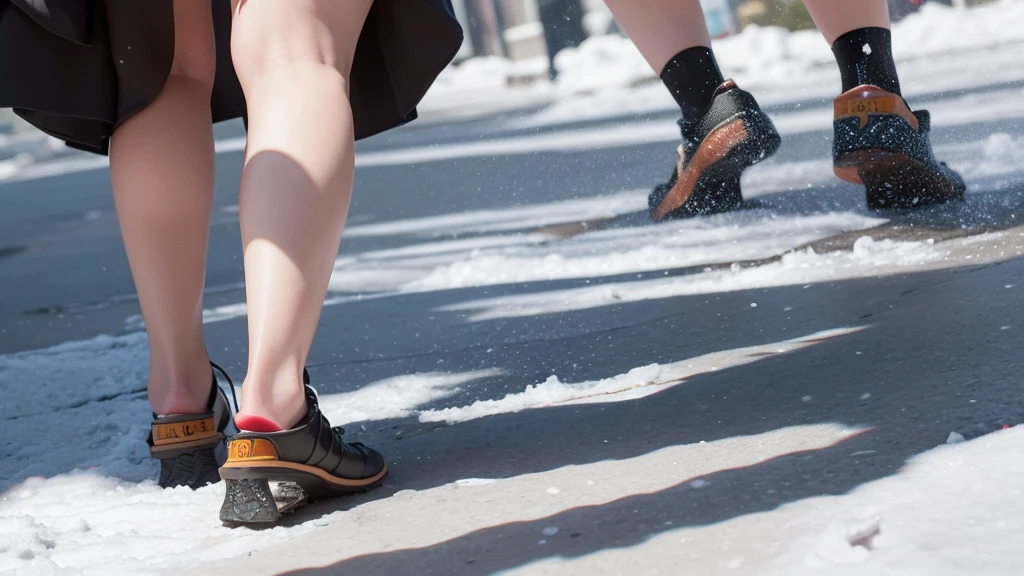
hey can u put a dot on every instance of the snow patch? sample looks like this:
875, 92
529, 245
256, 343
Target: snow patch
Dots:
637, 383
601, 62
726, 238
397, 397
805, 266
849, 539
475, 482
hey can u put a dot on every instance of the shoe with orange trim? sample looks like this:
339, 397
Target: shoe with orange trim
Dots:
190, 447
732, 135
882, 144
312, 456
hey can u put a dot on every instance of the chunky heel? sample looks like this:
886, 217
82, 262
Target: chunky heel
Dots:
308, 462
248, 502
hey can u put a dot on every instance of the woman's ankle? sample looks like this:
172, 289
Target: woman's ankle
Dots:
181, 390
270, 405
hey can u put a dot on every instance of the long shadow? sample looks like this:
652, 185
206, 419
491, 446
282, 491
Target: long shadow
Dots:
622, 523
932, 343
927, 363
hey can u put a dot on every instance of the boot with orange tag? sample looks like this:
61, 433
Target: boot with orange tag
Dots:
732, 135
882, 144
307, 462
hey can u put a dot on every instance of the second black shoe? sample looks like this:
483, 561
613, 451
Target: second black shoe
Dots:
732, 135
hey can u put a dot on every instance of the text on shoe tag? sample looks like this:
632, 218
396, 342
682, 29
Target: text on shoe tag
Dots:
251, 449
863, 107
183, 431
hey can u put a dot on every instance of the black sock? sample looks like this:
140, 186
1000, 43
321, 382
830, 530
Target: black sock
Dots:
865, 57
692, 76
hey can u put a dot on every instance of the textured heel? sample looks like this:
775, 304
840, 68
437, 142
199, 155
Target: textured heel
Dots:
248, 502
195, 468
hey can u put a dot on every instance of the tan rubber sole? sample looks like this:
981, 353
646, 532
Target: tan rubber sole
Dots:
247, 471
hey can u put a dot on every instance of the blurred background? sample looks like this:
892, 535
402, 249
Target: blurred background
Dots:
524, 29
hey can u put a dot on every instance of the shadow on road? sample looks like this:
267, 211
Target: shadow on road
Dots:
939, 351
934, 356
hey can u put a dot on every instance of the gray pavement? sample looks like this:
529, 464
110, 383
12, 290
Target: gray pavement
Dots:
933, 352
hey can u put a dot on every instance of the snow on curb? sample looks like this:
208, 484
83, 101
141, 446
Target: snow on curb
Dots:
953, 511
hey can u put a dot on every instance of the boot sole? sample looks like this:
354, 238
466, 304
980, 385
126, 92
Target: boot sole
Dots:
195, 466
896, 181
711, 181
248, 499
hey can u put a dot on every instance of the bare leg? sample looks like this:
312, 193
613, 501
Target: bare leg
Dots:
293, 58
837, 17
662, 28
161, 166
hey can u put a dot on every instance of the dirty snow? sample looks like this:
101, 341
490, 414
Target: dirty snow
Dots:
607, 235
636, 383
868, 258
937, 516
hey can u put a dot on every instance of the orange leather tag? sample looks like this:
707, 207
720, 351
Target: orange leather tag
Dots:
249, 450
164, 434
862, 107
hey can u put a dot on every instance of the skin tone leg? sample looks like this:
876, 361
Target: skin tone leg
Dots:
837, 17
293, 58
662, 28
161, 167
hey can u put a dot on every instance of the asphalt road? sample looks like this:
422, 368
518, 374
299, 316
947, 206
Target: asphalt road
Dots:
932, 351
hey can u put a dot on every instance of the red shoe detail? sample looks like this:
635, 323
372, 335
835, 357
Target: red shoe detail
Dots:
248, 423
